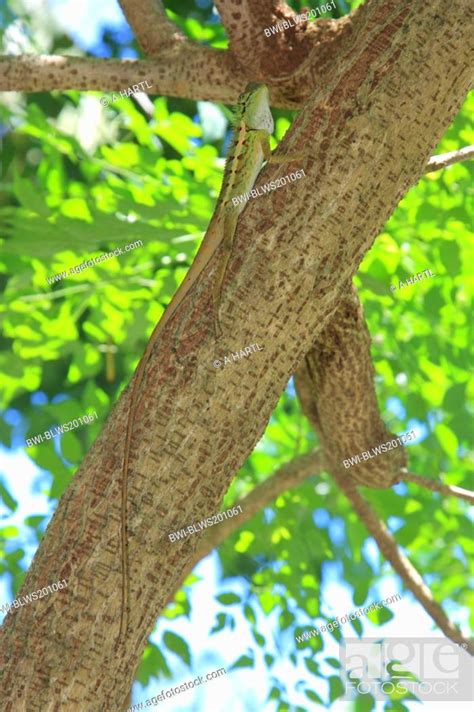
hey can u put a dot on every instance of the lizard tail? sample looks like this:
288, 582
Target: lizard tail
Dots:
125, 603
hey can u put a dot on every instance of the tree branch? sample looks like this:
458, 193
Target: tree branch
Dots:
335, 384
152, 27
405, 569
436, 486
269, 56
182, 68
447, 159
336, 389
186, 70
290, 475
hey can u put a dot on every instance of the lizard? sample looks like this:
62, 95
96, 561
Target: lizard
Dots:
248, 150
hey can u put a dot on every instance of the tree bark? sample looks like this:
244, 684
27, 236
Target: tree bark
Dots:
149, 21
337, 394
370, 131
345, 412
187, 69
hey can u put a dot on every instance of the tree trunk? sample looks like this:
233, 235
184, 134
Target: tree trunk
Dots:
368, 134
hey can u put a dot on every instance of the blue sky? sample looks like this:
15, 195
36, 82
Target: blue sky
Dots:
242, 689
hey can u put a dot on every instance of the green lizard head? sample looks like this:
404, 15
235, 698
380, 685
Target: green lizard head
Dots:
254, 107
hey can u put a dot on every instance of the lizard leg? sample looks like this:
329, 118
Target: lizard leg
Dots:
230, 224
270, 157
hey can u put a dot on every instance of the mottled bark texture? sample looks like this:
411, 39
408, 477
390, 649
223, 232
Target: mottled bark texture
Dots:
336, 388
369, 131
280, 54
337, 394
152, 28
187, 69
291, 474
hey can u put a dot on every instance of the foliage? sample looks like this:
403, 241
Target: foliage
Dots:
78, 180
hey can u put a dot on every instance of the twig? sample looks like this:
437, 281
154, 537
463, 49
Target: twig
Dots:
289, 475
447, 159
405, 569
437, 486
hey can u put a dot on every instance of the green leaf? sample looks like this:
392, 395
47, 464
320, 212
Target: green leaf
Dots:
7, 499
152, 664
312, 666
259, 639
220, 623
249, 614
364, 703
77, 209
336, 688
228, 599
35, 521
314, 697
449, 255
243, 661
177, 645
447, 440
380, 616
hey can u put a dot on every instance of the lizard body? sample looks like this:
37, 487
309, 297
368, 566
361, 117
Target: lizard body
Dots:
249, 148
